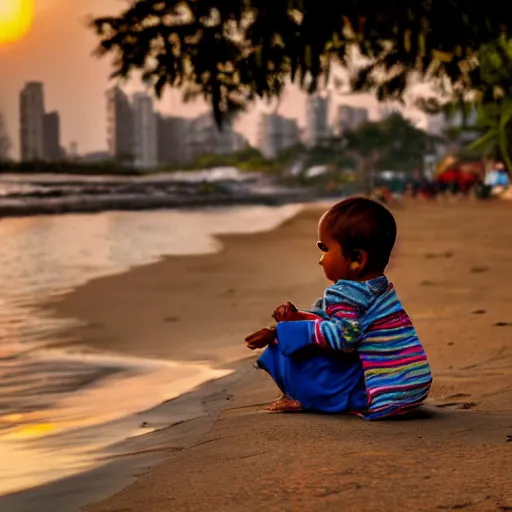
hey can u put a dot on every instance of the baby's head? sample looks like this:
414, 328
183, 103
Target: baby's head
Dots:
356, 237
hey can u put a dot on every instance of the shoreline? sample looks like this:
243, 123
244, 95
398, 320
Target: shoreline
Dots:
13, 208
220, 275
424, 270
167, 428
73, 338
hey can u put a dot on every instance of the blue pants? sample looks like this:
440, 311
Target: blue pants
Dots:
320, 382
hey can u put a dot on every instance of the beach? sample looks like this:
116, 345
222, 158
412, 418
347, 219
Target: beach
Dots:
451, 268
63, 402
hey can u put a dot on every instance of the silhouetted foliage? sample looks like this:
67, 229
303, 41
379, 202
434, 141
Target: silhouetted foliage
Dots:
495, 107
392, 144
492, 100
232, 51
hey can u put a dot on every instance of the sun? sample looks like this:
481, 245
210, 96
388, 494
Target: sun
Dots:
15, 19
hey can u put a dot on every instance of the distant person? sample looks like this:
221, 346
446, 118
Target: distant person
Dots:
449, 181
498, 177
428, 190
358, 351
442, 186
468, 177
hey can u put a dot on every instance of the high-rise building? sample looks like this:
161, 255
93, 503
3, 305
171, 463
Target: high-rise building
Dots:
349, 118
269, 135
317, 120
31, 122
120, 126
291, 136
276, 133
144, 132
173, 135
240, 142
72, 152
207, 139
5, 142
51, 137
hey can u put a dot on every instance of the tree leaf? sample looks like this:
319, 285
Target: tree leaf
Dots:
265, 43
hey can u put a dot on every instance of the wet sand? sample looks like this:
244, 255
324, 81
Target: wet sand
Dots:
452, 269
195, 308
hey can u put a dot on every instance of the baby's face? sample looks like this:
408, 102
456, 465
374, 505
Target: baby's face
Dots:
333, 261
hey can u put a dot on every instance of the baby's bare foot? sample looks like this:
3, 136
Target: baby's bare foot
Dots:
283, 404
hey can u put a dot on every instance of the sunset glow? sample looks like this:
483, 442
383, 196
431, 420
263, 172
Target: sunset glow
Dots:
15, 19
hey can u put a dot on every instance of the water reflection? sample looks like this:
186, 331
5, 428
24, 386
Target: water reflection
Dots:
58, 406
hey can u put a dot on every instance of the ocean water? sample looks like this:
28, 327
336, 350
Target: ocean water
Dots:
55, 414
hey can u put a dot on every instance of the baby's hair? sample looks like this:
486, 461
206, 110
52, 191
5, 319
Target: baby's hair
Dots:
360, 223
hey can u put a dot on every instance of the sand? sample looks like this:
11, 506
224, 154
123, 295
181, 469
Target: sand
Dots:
452, 268
200, 307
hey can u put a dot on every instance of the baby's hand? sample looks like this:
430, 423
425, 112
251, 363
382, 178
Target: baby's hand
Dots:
261, 338
282, 311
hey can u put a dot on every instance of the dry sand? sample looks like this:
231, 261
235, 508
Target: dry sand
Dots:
453, 271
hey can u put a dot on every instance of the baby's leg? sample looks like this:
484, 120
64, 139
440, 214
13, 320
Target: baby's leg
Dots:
313, 381
271, 361
276, 365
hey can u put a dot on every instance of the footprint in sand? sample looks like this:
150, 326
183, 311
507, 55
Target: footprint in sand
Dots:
93, 325
432, 255
458, 405
503, 324
479, 312
479, 270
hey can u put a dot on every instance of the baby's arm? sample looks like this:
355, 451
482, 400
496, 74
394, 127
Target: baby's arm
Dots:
288, 312
300, 315
339, 332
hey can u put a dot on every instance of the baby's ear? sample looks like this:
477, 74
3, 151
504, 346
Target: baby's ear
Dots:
360, 258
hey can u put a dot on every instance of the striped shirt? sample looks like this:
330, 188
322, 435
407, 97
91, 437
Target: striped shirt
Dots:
368, 318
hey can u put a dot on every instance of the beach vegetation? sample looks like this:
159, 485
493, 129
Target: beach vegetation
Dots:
233, 52
491, 101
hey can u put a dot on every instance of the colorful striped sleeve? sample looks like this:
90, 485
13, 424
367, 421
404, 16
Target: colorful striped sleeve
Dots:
341, 332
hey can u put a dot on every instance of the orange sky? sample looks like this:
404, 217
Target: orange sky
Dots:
58, 51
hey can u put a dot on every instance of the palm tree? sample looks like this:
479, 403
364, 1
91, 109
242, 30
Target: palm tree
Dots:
496, 121
495, 100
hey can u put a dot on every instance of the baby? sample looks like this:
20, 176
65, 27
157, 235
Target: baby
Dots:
358, 352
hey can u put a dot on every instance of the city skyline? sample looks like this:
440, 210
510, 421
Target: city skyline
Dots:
323, 118
58, 52
139, 135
